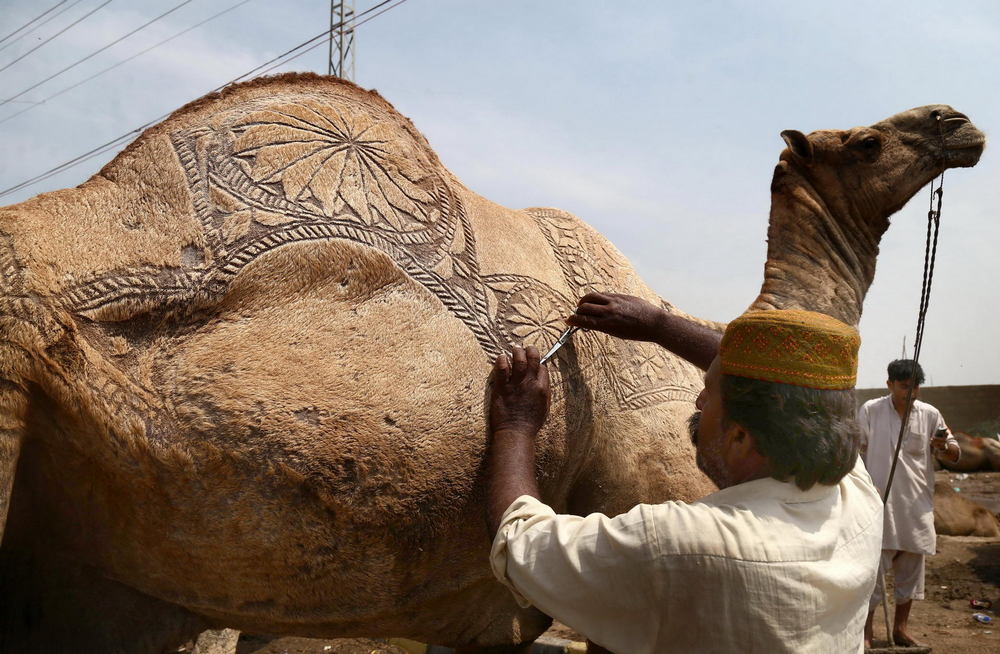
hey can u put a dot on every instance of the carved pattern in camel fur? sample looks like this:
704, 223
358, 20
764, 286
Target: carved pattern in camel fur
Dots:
331, 168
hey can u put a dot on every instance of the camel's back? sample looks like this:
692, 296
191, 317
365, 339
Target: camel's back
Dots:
282, 310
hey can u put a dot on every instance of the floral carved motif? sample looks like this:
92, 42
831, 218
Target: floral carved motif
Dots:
642, 372
335, 163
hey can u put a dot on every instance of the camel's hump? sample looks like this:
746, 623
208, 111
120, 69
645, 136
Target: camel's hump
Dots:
274, 90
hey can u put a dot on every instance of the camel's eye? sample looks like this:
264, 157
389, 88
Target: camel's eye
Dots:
867, 148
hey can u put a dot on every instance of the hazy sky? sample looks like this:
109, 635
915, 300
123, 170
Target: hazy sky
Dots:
656, 122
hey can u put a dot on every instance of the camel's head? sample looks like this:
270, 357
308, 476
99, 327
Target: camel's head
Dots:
878, 168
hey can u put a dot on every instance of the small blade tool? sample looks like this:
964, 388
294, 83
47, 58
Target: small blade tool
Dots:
563, 339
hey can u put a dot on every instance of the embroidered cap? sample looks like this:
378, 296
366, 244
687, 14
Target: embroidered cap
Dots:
790, 346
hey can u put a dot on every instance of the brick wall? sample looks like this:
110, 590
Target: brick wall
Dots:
963, 407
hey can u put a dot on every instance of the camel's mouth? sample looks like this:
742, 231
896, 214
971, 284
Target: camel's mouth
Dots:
964, 145
966, 136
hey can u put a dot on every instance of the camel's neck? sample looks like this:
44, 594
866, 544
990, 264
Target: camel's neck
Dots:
820, 253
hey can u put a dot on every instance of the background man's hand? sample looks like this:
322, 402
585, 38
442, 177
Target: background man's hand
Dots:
943, 449
939, 442
622, 316
519, 392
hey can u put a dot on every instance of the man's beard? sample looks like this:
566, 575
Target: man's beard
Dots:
709, 463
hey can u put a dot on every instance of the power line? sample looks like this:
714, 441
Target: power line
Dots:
120, 63
110, 145
38, 17
43, 23
72, 162
78, 20
97, 52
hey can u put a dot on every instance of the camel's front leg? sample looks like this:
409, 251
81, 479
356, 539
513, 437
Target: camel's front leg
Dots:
12, 405
10, 447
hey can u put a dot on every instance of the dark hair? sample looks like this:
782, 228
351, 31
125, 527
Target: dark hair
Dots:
807, 434
905, 370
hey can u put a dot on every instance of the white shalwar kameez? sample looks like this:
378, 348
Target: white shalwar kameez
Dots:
762, 566
909, 513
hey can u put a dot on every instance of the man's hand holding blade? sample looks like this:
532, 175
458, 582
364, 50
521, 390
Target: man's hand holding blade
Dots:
518, 406
622, 316
635, 319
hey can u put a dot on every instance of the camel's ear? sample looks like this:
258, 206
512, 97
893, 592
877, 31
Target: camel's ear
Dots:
799, 144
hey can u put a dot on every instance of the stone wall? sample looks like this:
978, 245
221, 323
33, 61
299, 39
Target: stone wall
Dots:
963, 407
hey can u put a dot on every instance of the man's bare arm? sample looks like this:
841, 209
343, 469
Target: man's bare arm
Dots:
519, 402
632, 318
510, 473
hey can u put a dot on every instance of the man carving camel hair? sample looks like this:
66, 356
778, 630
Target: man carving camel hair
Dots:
241, 369
781, 559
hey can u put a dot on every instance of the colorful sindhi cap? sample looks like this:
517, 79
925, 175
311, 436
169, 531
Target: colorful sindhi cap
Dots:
802, 348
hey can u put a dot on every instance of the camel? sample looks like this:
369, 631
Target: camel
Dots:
955, 515
242, 368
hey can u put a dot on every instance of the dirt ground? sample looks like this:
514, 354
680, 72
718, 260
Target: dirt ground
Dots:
964, 568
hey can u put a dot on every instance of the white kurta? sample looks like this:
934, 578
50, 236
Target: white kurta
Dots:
758, 567
909, 513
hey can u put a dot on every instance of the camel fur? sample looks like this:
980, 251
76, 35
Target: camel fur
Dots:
955, 515
242, 369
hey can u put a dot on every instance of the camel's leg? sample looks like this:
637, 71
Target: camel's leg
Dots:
54, 606
52, 603
10, 447
12, 408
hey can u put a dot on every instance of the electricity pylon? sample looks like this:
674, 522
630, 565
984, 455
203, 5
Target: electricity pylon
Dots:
341, 55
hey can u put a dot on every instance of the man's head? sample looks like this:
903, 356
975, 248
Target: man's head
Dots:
779, 401
905, 377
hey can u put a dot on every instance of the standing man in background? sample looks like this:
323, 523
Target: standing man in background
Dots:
908, 534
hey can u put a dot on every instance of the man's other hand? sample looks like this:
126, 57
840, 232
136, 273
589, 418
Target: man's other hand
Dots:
622, 316
519, 392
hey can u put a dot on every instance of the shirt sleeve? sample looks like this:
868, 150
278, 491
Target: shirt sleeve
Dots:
863, 425
590, 572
